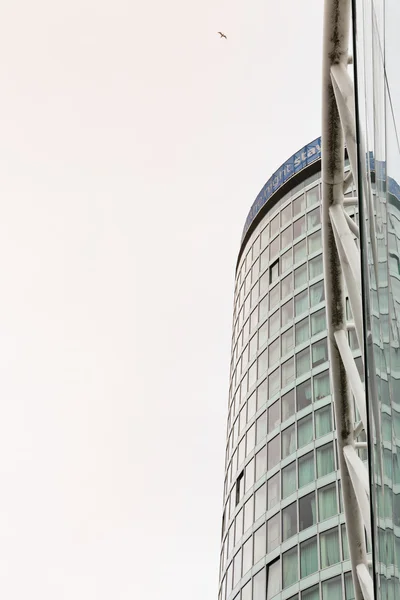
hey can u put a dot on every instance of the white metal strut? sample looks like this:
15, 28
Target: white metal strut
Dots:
342, 271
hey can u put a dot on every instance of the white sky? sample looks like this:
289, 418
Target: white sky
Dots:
132, 143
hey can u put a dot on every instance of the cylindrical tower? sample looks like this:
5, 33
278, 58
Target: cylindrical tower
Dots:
283, 529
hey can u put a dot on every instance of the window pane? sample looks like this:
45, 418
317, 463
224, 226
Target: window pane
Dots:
286, 261
263, 335
274, 297
286, 237
247, 555
259, 544
274, 352
307, 511
273, 535
302, 362
289, 521
301, 303
304, 431
314, 242
345, 543
306, 469
325, 460
260, 502
273, 491
321, 386
261, 463
299, 205
237, 568
329, 547
349, 588
287, 372
248, 514
286, 286
273, 452
319, 352
239, 526
249, 475
302, 331
259, 586
273, 416
300, 276
289, 568
313, 218
315, 266
274, 382
287, 312
303, 394
308, 557
288, 405
261, 427
274, 579
288, 441
327, 503
299, 227
274, 226
317, 293
288, 480
311, 594
287, 341
274, 323
318, 322
300, 251
250, 438
286, 214
313, 196
274, 248
323, 421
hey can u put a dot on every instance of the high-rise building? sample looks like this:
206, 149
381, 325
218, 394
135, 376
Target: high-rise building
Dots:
283, 526
312, 478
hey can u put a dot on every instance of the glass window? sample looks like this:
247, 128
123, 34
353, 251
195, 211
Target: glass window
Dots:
287, 312
262, 365
329, 548
289, 567
253, 346
317, 293
274, 578
332, 589
274, 323
249, 475
287, 341
315, 266
273, 416
327, 503
265, 236
251, 407
349, 588
241, 450
323, 421
302, 362
263, 335
274, 352
264, 282
250, 439
319, 352
301, 303
321, 386
303, 394
237, 568
260, 502
261, 427
247, 555
287, 372
306, 469
308, 557
345, 543
299, 205
310, 594
286, 237
273, 536
314, 242
259, 543
274, 248
318, 322
273, 491
262, 394
273, 452
325, 460
286, 261
288, 405
304, 431
313, 196
286, 215
307, 511
274, 225
248, 514
252, 375
261, 463
288, 441
313, 218
302, 331
300, 276
259, 585
273, 382
288, 480
286, 286
263, 308
289, 521
300, 251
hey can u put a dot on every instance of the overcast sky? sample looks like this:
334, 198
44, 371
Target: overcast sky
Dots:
133, 141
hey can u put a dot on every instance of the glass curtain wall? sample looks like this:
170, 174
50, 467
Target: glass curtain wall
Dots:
283, 535
377, 51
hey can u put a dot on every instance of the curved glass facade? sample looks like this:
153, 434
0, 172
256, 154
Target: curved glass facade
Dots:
283, 530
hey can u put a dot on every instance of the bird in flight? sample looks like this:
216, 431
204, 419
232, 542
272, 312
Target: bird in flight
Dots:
222, 35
